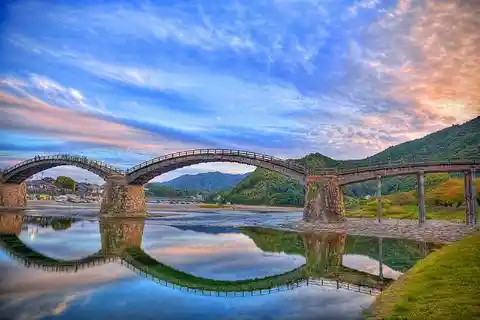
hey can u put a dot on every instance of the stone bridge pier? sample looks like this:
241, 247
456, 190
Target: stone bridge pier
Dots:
11, 223
123, 200
119, 234
324, 253
323, 199
13, 195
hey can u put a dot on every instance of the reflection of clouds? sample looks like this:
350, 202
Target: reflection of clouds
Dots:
368, 265
322, 303
226, 256
239, 266
18, 282
140, 300
79, 241
45, 305
33, 293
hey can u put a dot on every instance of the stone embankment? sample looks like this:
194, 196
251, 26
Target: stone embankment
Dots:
430, 231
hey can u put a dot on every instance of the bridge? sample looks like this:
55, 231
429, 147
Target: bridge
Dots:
121, 244
124, 194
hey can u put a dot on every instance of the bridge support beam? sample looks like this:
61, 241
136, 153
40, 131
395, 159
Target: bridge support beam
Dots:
380, 258
470, 191
379, 198
123, 200
13, 196
474, 203
421, 197
324, 200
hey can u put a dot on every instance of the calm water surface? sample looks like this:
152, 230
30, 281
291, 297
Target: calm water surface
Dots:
200, 268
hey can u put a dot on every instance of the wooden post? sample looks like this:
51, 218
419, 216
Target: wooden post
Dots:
467, 189
421, 197
380, 258
473, 198
379, 198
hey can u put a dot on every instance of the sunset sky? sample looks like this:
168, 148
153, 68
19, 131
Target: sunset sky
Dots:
123, 82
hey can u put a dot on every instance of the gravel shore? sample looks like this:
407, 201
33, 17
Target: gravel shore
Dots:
430, 231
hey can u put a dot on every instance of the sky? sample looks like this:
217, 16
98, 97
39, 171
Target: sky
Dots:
126, 81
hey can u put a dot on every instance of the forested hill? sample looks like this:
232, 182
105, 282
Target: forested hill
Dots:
263, 186
455, 141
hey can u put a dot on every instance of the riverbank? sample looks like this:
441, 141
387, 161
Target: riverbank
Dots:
444, 285
431, 231
39, 204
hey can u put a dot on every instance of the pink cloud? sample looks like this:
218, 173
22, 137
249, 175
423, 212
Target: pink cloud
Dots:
34, 114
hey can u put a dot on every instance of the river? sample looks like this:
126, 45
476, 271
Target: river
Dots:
227, 265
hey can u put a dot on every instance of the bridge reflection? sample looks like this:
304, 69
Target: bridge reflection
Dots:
121, 243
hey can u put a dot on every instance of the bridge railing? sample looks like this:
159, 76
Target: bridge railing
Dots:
352, 166
255, 292
67, 157
226, 152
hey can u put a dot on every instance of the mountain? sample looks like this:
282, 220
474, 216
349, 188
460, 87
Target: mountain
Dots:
266, 187
210, 181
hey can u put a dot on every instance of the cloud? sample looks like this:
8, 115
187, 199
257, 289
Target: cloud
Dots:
432, 67
280, 77
33, 115
289, 33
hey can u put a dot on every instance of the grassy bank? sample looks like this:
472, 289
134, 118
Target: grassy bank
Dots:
445, 285
407, 212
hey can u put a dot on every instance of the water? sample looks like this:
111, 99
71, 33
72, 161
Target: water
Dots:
198, 268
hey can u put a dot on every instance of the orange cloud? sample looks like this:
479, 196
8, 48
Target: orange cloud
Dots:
432, 66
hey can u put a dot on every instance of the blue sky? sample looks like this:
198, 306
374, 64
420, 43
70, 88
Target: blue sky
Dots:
125, 81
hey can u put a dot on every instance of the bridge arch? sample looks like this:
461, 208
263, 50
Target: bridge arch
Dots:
148, 170
29, 257
21, 171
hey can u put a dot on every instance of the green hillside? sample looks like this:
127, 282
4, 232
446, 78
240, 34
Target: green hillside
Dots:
265, 187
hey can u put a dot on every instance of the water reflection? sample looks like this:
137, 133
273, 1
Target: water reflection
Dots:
327, 260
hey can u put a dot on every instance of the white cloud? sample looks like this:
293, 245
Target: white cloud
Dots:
51, 90
266, 30
264, 99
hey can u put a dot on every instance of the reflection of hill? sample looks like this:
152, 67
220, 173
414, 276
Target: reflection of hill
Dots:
399, 255
271, 240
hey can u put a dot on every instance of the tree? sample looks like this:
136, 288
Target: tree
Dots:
61, 224
65, 182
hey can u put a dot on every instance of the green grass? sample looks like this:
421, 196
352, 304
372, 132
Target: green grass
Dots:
445, 285
407, 212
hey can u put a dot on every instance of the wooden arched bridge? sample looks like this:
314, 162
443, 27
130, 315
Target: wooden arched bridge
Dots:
124, 194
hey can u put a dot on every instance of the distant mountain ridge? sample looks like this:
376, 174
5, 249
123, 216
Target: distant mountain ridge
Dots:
209, 181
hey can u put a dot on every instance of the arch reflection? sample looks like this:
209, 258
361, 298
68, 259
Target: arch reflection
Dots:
121, 242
